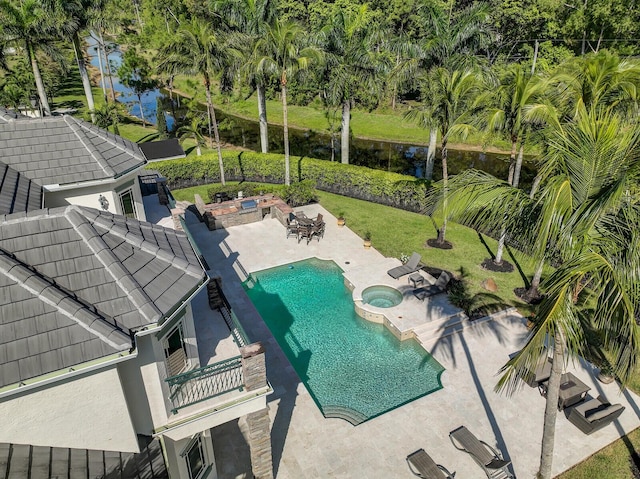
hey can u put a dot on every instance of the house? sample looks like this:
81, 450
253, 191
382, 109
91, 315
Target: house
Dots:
75, 162
103, 372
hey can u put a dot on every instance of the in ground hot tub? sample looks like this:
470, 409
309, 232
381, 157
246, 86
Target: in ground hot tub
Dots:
381, 296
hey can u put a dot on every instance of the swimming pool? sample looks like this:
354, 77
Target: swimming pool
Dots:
352, 368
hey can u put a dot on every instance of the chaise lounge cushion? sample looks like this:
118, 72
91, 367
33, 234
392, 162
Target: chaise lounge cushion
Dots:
594, 414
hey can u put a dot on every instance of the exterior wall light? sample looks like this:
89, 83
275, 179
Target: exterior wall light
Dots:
104, 203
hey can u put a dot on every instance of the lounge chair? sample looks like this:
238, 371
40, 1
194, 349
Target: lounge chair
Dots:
421, 465
541, 373
409, 267
594, 414
440, 286
491, 461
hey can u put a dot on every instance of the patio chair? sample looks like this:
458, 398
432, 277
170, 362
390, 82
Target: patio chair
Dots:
409, 267
594, 414
541, 373
490, 460
292, 228
440, 286
421, 465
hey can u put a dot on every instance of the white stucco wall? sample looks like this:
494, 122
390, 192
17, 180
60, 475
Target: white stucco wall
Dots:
85, 412
88, 196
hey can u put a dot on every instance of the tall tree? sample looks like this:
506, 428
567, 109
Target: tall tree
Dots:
250, 18
352, 62
586, 216
451, 40
197, 48
285, 56
135, 73
31, 27
450, 100
516, 106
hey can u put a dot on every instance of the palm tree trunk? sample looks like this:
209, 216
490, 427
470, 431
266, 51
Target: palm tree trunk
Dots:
518, 168
514, 177
42, 94
86, 84
144, 122
532, 292
344, 146
213, 123
445, 179
198, 149
287, 174
534, 186
500, 250
108, 67
102, 80
262, 115
512, 159
551, 408
431, 154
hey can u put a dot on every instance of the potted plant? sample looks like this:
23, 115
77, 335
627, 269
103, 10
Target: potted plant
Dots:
606, 374
367, 239
341, 218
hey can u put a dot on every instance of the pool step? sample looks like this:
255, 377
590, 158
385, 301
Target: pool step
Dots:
436, 330
341, 412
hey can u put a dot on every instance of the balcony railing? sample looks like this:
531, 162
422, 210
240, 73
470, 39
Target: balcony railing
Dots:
205, 383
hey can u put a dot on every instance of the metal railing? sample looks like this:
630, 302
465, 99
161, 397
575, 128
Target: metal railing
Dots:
205, 383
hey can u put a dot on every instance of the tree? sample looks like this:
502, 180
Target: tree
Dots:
250, 18
284, 56
452, 97
352, 63
106, 115
586, 218
192, 131
451, 41
135, 73
517, 105
161, 121
30, 26
196, 48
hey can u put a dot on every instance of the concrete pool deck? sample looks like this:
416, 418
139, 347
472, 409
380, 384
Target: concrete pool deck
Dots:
306, 445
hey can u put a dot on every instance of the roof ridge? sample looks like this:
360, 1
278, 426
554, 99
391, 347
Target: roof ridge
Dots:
50, 293
77, 129
148, 247
120, 274
116, 140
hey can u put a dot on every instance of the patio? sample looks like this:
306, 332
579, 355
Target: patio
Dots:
306, 445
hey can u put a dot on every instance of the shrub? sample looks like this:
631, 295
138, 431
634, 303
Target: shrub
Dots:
392, 189
301, 193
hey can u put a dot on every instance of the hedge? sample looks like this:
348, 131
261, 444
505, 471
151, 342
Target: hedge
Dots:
392, 189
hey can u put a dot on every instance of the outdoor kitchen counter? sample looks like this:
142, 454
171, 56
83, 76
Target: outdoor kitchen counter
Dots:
245, 210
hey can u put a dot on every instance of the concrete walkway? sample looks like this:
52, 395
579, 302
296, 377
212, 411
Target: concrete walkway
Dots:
306, 445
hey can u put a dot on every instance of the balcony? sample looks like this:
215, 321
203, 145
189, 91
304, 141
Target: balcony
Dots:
205, 383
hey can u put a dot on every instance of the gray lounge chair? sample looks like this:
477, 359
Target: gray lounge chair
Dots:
409, 267
594, 414
491, 461
440, 286
421, 465
541, 374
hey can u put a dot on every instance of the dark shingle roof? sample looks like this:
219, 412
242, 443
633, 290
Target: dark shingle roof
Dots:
17, 192
29, 462
74, 283
63, 150
162, 149
7, 115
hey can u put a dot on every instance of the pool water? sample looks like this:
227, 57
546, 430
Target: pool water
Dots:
381, 296
344, 361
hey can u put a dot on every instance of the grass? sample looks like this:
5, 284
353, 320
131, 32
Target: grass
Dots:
612, 462
379, 125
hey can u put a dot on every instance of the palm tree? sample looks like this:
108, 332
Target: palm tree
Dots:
452, 41
250, 18
196, 48
517, 105
29, 25
284, 56
586, 217
76, 19
453, 96
352, 63
106, 115
192, 131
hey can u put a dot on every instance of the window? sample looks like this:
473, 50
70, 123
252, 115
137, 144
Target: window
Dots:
127, 204
174, 352
195, 458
